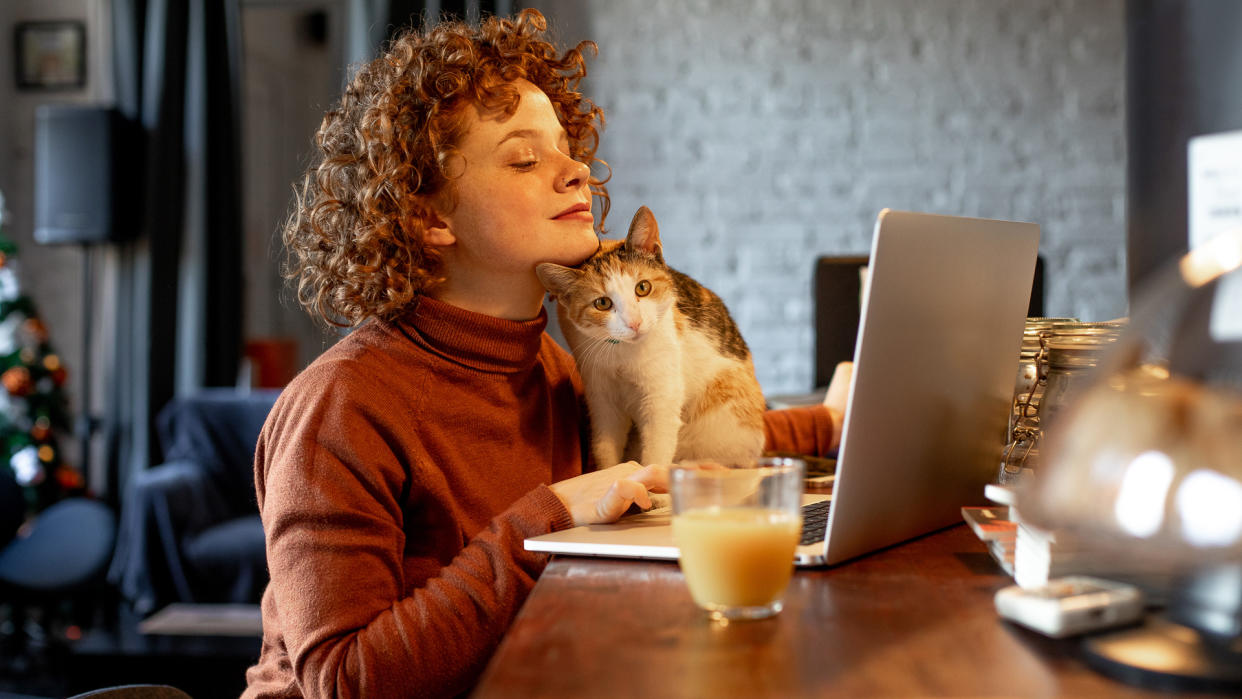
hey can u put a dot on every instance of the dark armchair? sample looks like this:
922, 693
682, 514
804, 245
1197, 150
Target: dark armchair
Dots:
190, 529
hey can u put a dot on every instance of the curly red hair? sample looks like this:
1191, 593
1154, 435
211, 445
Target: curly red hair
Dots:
355, 241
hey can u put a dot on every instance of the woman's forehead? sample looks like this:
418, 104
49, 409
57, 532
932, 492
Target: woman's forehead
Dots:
533, 116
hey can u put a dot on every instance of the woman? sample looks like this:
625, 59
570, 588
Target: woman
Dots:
398, 475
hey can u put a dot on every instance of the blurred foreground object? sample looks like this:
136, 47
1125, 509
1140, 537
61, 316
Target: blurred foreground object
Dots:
1145, 463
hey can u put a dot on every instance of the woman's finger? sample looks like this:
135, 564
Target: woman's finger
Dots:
654, 477
618, 498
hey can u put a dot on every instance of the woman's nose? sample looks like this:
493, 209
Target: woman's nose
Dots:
573, 175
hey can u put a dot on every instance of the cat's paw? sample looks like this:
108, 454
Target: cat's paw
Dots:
660, 501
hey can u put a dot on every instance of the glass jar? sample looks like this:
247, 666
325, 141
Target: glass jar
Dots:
1056, 353
1020, 457
1027, 386
1070, 355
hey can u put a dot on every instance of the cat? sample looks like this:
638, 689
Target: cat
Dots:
660, 357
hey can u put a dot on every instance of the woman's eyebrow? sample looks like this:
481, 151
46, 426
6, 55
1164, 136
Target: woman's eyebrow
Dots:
518, 133
532, 134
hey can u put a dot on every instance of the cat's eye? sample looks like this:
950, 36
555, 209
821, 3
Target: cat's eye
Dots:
603, 303
642, 288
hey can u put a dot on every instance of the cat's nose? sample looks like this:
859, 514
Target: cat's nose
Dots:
635, 325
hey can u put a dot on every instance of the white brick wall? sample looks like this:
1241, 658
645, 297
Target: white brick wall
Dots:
763, 134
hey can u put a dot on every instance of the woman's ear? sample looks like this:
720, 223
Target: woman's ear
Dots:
438, 233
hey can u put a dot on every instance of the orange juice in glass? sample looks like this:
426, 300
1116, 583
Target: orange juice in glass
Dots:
736, 527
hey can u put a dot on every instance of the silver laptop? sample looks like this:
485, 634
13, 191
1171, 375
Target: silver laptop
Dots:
943, 311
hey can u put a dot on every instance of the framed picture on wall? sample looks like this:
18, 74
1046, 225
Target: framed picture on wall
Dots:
50, 55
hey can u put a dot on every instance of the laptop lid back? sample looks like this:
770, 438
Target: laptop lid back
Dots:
938, 343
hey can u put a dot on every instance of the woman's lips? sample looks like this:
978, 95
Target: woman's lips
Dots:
577, 212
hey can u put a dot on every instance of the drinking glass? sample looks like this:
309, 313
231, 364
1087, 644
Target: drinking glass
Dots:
736, 526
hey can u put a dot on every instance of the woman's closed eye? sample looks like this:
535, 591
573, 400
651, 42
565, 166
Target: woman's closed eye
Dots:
524, 165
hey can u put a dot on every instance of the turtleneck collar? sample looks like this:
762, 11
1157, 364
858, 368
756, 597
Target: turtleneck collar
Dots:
473, 339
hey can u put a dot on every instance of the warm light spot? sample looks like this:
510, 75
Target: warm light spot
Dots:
46, 454
51, 362
1140, 501
1155, 371
1210, 506
1220, 255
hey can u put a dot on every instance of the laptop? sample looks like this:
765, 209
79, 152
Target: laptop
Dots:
942, 316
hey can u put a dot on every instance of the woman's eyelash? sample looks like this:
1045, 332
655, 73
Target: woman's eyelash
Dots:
524, 165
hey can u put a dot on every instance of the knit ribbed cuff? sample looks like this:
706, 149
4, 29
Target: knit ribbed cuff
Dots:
552, 508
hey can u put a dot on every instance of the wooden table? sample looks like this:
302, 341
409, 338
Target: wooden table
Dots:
915, 619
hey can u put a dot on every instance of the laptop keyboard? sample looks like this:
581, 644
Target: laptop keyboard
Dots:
814, 516
814, 522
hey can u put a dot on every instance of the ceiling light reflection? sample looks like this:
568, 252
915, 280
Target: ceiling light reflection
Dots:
1139, 508
1210, 506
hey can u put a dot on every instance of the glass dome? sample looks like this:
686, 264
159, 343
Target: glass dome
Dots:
1145, 463
1149, 454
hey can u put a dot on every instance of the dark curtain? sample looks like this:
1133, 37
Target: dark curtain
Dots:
403, 14
153, 59
407, 13
1183, 79
224, 235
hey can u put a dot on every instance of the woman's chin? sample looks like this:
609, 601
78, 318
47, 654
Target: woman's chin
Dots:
580, 252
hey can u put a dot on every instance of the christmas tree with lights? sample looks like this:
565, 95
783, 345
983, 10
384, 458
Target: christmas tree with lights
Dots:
33, 407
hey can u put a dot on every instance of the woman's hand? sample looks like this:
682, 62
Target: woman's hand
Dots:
605, 495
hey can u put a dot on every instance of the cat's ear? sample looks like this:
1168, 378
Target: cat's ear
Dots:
556, 278
644, 235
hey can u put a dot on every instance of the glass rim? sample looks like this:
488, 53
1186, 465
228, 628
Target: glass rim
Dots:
773, 465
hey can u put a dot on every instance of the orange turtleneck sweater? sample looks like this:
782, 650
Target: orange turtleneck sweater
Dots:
397, 477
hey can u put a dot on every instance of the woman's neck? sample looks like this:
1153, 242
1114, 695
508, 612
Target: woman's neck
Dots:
508, 299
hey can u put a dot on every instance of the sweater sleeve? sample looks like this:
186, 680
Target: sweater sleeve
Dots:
331, 489
803, 430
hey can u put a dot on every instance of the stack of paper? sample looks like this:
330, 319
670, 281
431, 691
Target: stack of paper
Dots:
1029, 554
1039, 555
994, 527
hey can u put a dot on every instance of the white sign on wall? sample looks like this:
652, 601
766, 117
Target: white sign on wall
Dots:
1215, 207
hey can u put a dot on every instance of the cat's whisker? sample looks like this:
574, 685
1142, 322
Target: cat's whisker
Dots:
596, 346
584, 353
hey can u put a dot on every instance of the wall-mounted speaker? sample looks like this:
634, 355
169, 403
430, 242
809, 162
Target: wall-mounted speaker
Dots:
87, 170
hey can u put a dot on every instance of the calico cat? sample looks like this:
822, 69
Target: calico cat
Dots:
657, 352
